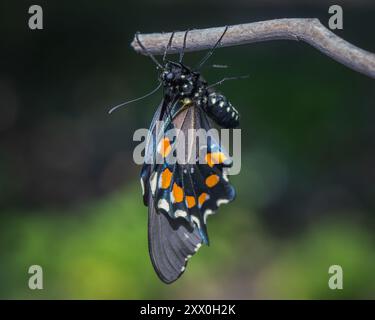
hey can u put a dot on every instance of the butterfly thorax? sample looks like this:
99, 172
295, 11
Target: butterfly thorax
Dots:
183, 84
191, 89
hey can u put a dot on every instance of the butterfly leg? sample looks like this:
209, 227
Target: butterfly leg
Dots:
147, 52
209, 54
182, 52
168, 47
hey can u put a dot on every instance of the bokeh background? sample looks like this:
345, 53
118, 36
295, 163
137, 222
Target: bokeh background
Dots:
70, 198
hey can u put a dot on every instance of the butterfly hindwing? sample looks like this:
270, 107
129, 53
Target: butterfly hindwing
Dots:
171, 243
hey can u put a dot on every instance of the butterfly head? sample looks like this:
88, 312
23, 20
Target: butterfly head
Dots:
178, 79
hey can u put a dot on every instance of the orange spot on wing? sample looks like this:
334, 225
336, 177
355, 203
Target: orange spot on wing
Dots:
190, 201
166, 178
215, 158
202, 198
212, 180
164, 147
178, 193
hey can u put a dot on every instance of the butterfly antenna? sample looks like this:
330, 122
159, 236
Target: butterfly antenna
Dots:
168, 46
209, 54
147, 52
134, 100
182, 52
226, 79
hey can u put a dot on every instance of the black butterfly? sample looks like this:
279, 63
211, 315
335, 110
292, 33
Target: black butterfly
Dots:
181, 195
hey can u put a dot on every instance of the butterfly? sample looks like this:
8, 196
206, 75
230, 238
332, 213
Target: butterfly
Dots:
180, 195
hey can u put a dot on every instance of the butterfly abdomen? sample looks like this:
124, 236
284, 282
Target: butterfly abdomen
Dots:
221, 110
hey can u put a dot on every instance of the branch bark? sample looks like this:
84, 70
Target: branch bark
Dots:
310, 31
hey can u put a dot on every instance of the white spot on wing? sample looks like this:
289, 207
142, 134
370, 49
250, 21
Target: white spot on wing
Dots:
172, 197
221, 201
180, 213
153, 181
197, 247
196, 221
225, 176
143, 187
163, 204
188, 257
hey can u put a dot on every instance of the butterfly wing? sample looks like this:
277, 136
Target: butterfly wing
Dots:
171, 243
180, 196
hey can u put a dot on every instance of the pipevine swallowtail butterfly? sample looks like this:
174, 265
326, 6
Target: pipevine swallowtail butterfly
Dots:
180, 196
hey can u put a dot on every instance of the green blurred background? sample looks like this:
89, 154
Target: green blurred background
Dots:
70, 200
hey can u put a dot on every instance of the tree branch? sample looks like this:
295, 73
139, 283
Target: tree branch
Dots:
308, 30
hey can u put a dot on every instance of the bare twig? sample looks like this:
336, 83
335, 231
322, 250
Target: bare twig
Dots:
308, 30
